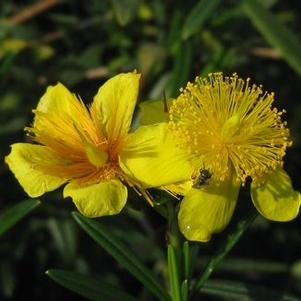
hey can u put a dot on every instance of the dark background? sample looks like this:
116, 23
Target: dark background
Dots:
81, 44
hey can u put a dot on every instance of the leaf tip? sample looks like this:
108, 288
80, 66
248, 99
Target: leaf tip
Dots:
75, 214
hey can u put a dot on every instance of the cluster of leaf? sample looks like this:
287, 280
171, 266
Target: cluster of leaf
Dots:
81, 43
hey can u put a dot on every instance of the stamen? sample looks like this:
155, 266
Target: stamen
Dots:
232, 125
76, 138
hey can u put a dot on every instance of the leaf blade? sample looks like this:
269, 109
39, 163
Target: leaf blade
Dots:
124, 10
198, 16
125, 257
243, 291
231, 241
11, 216
88, 286
173, 272
275, 33
181, 68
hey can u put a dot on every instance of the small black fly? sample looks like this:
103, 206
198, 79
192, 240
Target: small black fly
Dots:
202, 179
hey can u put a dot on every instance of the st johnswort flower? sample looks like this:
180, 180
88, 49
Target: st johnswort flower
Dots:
91, 150
231, 130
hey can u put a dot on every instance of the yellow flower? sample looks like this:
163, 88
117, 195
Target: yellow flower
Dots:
91, 150
233, 133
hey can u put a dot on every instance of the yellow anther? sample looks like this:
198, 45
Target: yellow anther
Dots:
225, 119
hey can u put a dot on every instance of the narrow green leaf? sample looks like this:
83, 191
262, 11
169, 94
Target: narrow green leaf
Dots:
173, 272
185, 290
7, 62
187, 270
64, 237
233, 290
7, 279
231, 241
11, 216
187, 261
125, 10
244, 265
122, 254
88, 286
198, 16
182, 67
174, 32
275, 33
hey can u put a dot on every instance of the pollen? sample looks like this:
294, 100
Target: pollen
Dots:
230, 126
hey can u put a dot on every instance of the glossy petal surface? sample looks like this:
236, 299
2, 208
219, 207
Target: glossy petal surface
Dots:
26, 161
104, 198
152, 158
114, 104
276, 199
207, 210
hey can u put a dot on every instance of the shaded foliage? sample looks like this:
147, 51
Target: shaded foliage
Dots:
81, 44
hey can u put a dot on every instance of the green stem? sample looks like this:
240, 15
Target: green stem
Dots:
174, 234
173, 270
186, 271
187, 259
174, 253
232, 239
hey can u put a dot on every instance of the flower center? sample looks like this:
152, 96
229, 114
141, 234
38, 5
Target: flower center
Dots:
79, 142
229, 126
96, 156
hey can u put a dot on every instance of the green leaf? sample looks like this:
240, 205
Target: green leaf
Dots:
64, 237
182, 67
244, 265
7, 62
187, 259
12, 215
231, 241
187, 270
122, 254
233, 290
154, 111
173, 272
185, 290
88, 286
198, 16
125, 10
7, 279
275, 33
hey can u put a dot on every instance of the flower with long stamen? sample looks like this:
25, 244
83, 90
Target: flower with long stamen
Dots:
232, 132
91, 150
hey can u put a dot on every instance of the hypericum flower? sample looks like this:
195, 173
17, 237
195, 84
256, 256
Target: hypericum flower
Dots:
90, 149
232, 133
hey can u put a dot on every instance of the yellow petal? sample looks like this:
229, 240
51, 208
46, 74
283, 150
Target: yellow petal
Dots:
115, 103
25, 162
181, 188
56, 98
154, 111
104, 198
152, 158
276, 199
207, 210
